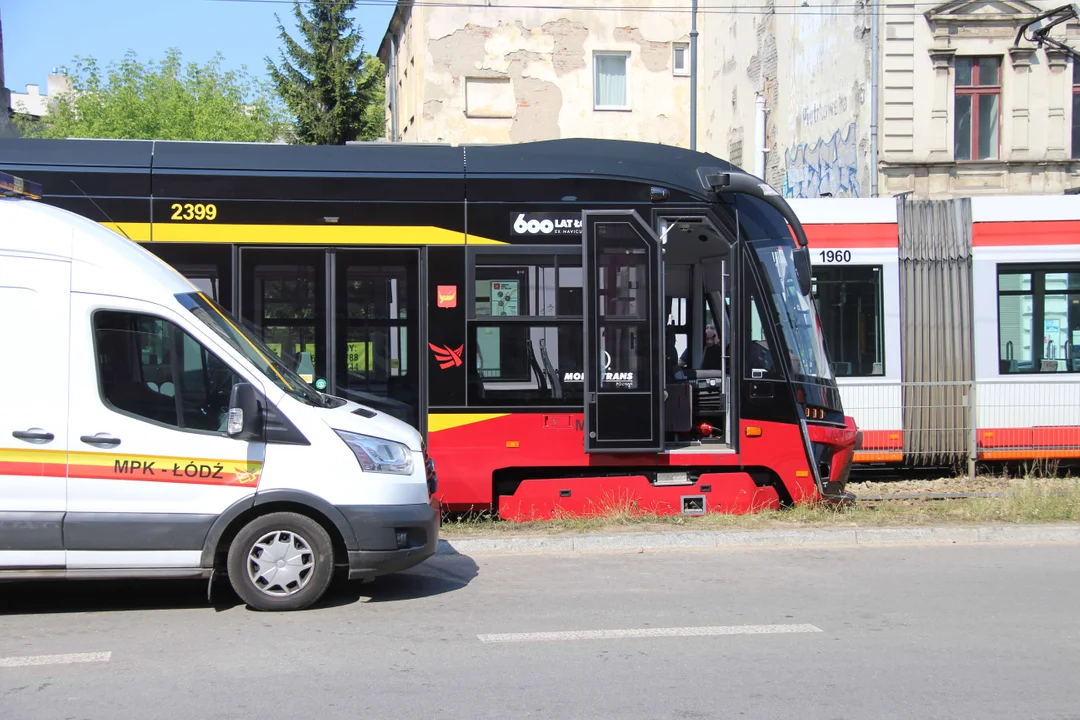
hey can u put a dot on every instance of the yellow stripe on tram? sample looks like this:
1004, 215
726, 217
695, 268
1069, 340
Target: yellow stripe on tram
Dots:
296, 234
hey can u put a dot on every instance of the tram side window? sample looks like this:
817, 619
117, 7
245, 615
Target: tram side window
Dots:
849, 301
526, 330
1039, 319
759, 356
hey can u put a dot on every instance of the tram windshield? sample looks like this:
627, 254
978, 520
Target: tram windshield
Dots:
765, 230
796, 313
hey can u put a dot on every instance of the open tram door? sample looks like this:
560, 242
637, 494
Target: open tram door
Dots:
624, 381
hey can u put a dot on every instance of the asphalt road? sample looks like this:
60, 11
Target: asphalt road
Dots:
940, 632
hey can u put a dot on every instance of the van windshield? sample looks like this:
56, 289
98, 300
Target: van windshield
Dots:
245, 342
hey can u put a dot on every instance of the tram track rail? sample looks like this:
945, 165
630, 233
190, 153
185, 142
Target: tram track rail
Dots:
944, 496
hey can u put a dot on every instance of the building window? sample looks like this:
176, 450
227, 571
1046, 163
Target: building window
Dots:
849, 302
680, 59
1076, 110
977, 108
1039, 319
612, 86
526, 334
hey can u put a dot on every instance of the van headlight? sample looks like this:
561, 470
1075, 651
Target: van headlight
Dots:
378, 455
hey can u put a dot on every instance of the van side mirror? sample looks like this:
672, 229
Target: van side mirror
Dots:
244, 420
802, 270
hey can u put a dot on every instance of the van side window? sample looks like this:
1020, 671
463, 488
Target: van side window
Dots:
150, 368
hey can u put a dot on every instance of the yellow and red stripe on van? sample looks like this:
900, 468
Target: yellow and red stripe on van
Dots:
123, 466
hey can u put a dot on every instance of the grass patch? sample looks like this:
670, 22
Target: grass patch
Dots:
1030, 499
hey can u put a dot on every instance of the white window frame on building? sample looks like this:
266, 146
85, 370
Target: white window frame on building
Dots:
685, 53
625, 56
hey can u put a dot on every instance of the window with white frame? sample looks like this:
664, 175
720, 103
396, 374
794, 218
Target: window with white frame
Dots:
612, 88
680, 59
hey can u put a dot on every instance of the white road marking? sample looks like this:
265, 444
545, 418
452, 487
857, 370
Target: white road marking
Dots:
650, 633
28, 660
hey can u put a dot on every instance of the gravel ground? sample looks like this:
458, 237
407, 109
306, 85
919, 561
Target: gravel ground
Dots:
980, 484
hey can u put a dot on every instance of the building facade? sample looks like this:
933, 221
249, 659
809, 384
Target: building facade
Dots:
967, 109
946, 102
512, 73
786, 95
35, 103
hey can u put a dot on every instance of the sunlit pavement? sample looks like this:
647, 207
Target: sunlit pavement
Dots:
934, 632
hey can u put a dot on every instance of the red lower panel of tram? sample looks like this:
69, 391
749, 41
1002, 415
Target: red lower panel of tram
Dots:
537, 465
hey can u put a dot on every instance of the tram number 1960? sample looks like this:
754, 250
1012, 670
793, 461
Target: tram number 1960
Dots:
835, 256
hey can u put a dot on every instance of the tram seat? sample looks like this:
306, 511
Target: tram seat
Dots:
712, 358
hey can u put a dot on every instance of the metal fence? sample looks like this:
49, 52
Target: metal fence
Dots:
957, 423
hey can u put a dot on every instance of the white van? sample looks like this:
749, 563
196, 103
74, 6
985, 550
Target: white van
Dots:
146, 433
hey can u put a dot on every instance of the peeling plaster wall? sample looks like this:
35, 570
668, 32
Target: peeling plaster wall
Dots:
824, 144
545, 59
409, 73
813, 70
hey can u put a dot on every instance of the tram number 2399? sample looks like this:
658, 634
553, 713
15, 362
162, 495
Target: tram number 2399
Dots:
193, 211
835, 256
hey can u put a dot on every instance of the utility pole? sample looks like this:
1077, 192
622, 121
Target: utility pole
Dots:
693, 74
874, 50
5, 96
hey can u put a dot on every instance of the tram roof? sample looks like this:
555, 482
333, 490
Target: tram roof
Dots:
664, 165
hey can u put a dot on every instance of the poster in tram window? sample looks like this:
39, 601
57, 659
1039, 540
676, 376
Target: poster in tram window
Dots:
504, 298
359, 357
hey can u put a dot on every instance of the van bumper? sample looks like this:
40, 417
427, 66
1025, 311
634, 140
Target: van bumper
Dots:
391, 538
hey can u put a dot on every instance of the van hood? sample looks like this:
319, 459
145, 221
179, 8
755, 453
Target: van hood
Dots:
353, 417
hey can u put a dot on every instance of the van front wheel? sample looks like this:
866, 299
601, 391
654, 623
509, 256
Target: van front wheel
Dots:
281, 561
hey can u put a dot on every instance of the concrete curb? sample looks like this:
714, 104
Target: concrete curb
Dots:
794, 539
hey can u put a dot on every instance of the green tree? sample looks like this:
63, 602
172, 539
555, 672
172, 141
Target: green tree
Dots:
332, 87
166, 100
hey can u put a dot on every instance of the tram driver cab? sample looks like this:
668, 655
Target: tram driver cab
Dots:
697, 332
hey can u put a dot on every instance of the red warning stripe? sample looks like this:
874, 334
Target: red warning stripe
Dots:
138, 468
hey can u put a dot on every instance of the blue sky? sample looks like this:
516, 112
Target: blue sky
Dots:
42, 34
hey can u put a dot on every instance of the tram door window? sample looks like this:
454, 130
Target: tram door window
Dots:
283, 299
376, 310
372, 320
623, 306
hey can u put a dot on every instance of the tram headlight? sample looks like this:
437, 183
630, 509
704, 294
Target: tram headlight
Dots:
379, 455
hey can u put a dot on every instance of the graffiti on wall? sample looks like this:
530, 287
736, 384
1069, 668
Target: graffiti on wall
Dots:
828, 166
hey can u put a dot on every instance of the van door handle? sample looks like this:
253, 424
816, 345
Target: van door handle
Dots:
33, 435
101, 439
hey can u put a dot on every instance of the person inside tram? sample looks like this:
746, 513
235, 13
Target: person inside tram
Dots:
711, 357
